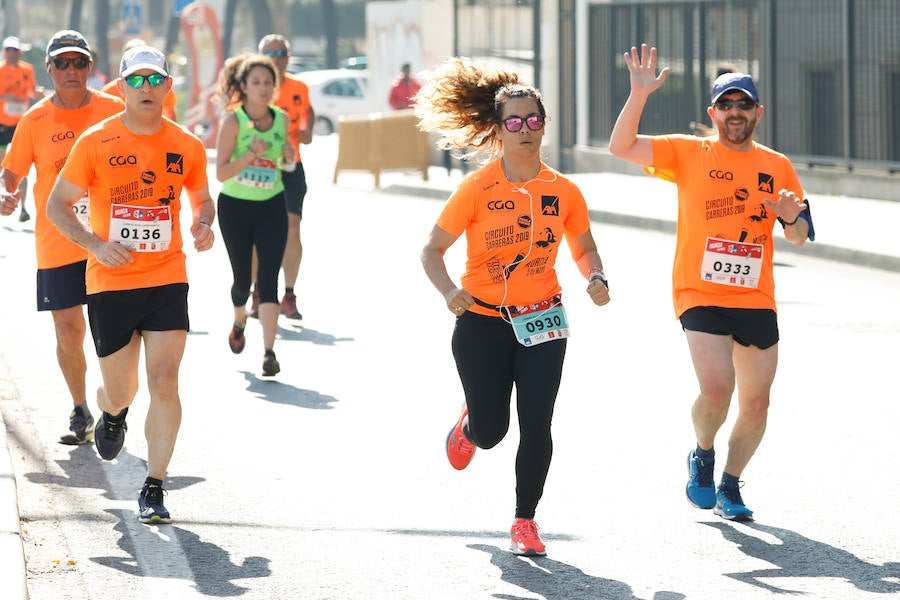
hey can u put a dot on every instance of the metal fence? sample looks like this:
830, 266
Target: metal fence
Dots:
828, 71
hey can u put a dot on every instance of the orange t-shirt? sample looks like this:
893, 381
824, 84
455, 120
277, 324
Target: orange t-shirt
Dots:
169, 102
44, 137
15, 81
293, 97
720, 195
134, 184
504, 224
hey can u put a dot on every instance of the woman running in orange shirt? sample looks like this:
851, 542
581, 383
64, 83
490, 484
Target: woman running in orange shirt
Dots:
511, 325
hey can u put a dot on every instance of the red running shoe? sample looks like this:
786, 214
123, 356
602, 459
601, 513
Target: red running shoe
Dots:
289, 307
525, 540
459, 449
236, 339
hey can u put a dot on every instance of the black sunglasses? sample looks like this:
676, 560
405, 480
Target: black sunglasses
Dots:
79, 62
276, 53
742, 103
514, 123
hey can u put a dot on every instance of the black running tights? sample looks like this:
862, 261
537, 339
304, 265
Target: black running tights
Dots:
490, 361
245, 224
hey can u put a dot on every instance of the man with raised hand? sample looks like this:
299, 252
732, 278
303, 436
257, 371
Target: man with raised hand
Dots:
731, 193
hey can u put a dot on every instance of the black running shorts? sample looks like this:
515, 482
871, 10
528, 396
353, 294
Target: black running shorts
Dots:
294, 189
61, 287
6, 134
115, 316
748, 326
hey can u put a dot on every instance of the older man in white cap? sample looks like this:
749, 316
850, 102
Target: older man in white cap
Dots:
134, 168
17, 90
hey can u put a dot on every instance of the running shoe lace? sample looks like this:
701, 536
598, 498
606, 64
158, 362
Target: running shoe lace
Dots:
113, 427
733, 493
704, 473
527, 529
77, 422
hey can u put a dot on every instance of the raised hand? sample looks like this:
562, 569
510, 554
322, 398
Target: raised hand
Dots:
642, 69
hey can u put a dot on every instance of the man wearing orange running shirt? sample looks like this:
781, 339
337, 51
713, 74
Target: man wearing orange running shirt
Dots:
723, 285
292, 96
43, 138
16, 91
134, 167
111, 87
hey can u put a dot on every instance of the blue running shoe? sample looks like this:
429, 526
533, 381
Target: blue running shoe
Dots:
701, 488
730, 505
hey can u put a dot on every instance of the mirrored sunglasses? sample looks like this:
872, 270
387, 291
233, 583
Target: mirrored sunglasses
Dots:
514, 123
137, 81
276, 53
79, 62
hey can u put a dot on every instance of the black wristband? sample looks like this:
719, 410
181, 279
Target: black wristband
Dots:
785, 223
598, 276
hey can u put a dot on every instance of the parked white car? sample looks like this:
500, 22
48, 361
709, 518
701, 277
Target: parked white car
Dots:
334, 93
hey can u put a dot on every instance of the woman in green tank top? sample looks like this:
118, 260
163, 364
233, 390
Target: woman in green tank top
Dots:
251, 148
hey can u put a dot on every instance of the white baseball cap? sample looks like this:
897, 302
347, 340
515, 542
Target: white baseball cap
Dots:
143, 57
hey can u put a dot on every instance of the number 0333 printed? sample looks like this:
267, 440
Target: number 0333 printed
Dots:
731, 263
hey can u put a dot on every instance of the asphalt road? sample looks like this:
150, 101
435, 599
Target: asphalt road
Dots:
330, 481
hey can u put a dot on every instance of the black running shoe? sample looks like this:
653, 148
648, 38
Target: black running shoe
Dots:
150, 503
81, 426
109, 434
270, 364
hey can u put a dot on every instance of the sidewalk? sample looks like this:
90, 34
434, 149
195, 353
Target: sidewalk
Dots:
856, 231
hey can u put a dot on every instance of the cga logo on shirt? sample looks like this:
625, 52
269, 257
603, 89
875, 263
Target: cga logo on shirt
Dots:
501, 205
122, 160
61, 137
724, 175
174, 163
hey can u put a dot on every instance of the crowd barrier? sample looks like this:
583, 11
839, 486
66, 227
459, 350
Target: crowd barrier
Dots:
381, 141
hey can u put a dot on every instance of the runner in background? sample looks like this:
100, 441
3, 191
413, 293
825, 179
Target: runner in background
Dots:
251, 150
17, 90
292, 96
43, 138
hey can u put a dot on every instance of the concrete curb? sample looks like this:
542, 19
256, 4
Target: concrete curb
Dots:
814, 249
12, 552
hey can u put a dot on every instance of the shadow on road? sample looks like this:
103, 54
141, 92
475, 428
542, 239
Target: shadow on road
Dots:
272, 390
554, 580
211, 569
797, 556
298, 333
82, 470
